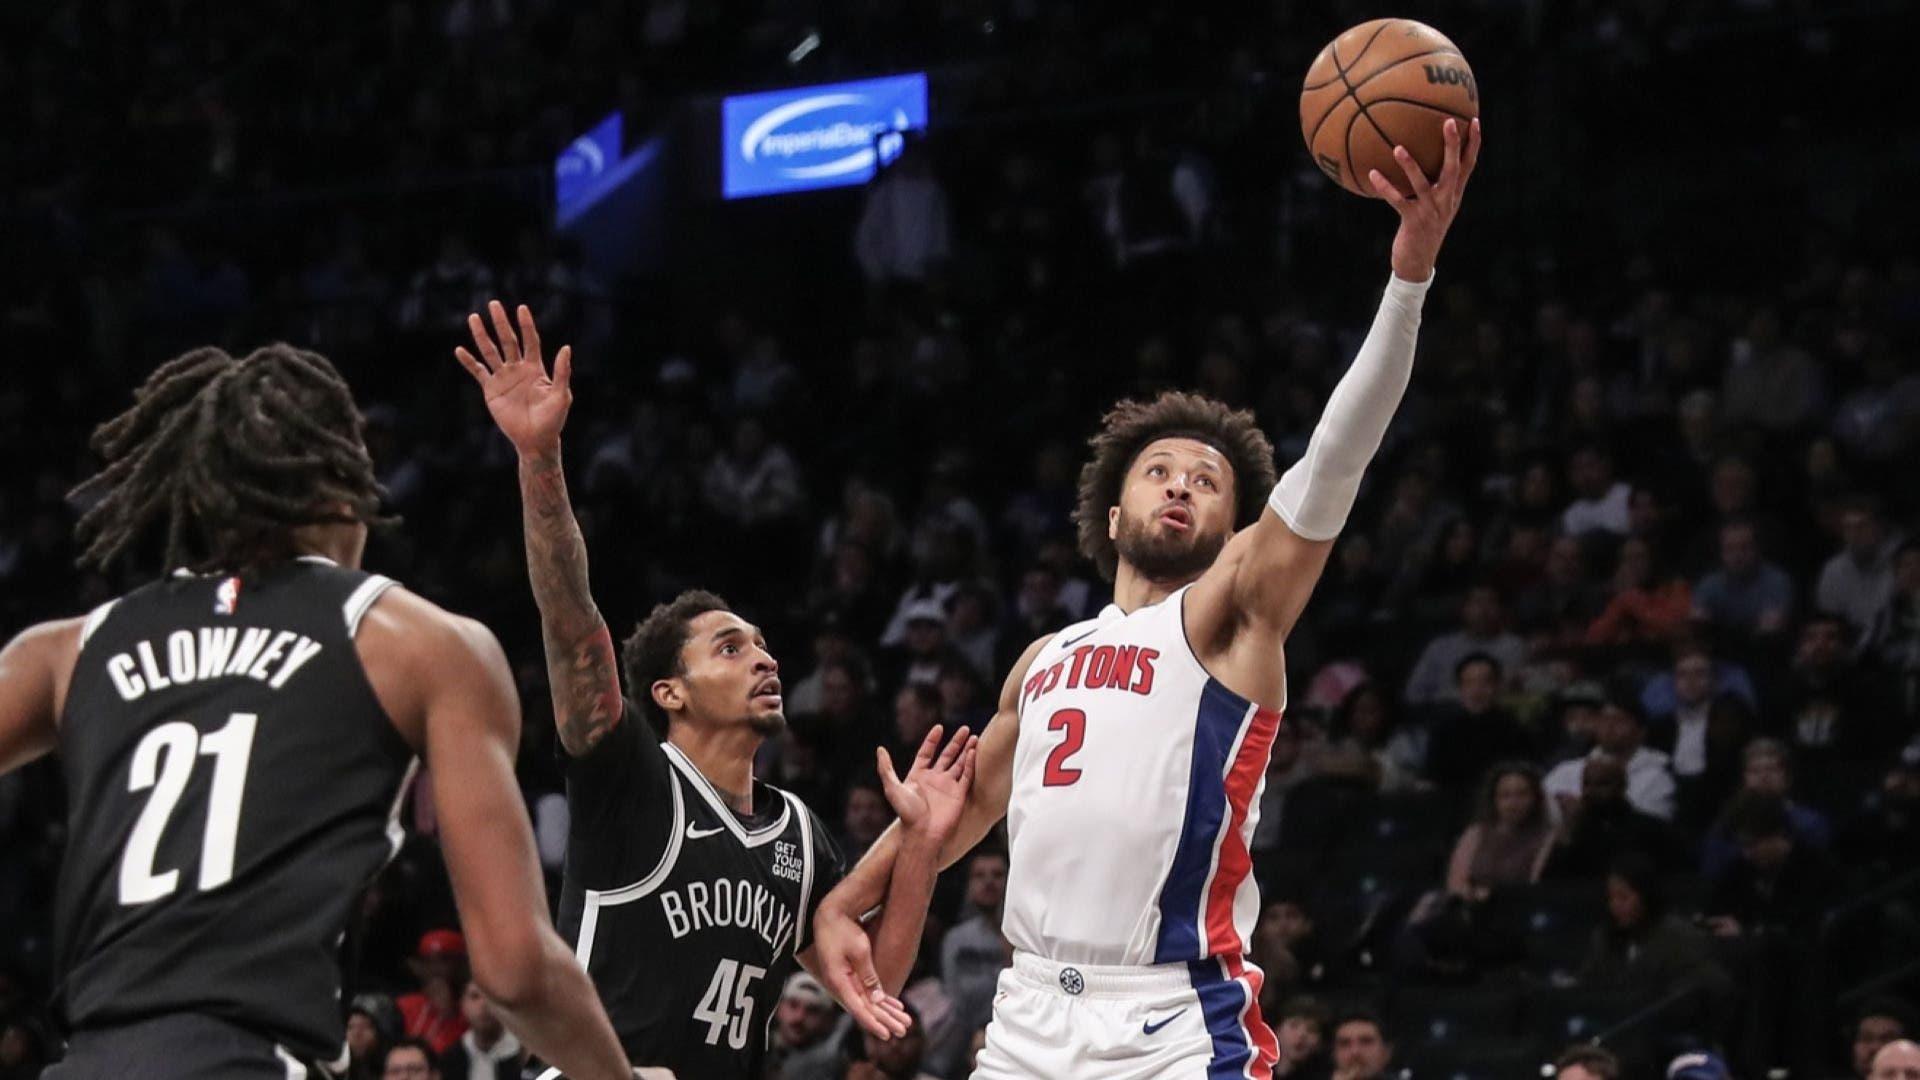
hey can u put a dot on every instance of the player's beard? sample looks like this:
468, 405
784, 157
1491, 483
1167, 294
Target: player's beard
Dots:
768, 724
1165, 556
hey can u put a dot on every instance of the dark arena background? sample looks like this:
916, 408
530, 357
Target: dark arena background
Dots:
1659, 449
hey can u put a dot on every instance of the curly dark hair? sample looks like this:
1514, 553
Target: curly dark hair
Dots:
1129, 427
652, 651
230, 456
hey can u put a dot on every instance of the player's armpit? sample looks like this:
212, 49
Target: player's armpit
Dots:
33, 670
1261, 580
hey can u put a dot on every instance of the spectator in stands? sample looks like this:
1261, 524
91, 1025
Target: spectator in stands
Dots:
433, 1012
975, 952
1474, 732
373, 1023
1894, 640
756, 482
864, 818
1766, 770
1600, 500
1587, 1062
1564, 602
1771, 383
1885, 841
1288, 946
1601, 825
1875, 1024
1642, 946
922, 650
1621, 736
1300, 1028
1682, 732
916, 709
807, 1025
1898, 1060
1662, 695
1829, 708
1365, 745
1698, 1065
441, 295
487, 1051
973, 628
1575, 710
1779, 886
902, 233
1360, 1047
1649, 608
1857, 582
1745, 597
411, 1059
1432, 681
1510, 837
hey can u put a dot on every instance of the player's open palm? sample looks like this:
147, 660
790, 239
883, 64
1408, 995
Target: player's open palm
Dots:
930, 799
527, 403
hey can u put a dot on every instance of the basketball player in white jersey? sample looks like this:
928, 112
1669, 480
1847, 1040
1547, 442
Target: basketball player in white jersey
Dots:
1128, 751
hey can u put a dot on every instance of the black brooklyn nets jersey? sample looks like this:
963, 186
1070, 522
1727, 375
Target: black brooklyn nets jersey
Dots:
233, 784
687, 916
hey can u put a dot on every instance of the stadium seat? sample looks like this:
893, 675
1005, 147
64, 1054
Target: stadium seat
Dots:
1384, 868
1410, 821
1485, 1059
1448, 1016
1561, 1016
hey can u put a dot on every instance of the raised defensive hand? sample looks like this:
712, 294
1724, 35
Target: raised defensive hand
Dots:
930, 799
1426, 216
527, 404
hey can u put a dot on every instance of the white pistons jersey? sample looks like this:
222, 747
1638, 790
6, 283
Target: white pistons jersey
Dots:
1136, 789
1136, 786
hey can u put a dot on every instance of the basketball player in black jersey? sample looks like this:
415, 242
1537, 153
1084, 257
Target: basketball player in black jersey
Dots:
236, 738
689, 887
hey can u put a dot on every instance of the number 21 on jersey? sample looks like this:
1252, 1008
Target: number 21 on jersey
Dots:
727, 1006
164, 762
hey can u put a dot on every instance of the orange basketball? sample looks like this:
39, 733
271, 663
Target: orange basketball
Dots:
1384, 83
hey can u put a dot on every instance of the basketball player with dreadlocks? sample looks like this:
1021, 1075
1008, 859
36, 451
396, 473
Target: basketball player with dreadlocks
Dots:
236, 737
1128, 751
689, 887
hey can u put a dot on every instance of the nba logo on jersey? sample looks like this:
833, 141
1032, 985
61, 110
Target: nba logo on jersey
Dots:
226, 597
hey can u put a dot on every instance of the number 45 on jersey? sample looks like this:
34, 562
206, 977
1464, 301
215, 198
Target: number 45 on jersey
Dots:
727, 1006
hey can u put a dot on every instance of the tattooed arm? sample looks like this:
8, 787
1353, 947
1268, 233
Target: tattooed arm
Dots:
530, 407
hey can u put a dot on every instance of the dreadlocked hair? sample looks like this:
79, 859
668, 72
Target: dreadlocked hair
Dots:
1131, 426
230, 456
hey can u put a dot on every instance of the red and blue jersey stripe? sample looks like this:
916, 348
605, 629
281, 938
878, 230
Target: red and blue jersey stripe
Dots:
1231, 741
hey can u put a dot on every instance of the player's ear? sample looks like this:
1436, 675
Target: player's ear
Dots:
669, 694
1113, 523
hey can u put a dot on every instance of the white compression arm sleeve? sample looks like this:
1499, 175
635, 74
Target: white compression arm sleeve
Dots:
1315, 496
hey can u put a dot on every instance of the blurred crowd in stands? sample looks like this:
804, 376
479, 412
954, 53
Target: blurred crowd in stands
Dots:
1604, 722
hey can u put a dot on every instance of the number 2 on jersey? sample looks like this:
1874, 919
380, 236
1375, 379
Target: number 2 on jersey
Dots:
731, 980
164, 761
1074, 723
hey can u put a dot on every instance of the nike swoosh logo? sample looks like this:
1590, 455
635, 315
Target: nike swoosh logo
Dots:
1081, 638
695, 832
1149, 1029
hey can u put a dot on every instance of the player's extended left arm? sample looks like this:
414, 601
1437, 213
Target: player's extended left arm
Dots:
1310, 504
